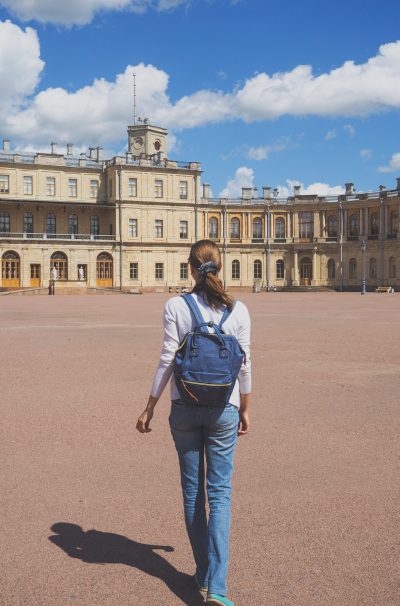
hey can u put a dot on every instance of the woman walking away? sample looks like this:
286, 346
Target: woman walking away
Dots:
206, 354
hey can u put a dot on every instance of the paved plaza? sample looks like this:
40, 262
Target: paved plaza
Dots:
91, 511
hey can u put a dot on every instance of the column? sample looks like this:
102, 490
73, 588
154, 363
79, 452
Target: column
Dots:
249, 234
345, 221
323, 227
360, 222
314, 281
295, 224
296, 280
288, 225
206, 234
317, 224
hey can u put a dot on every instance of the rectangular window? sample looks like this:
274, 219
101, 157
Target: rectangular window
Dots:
133, 231
159, 273
72, 188
132, 187
94, 188
4, 184
159, 228
51, 186
183, 230
183, 190
28, 185
306, 225
158, 188
134, 271
184, 271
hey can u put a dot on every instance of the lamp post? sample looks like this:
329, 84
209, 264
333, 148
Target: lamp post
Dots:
363, 285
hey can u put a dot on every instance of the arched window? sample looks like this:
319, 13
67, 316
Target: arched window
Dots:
280, 269
235, 229
51, 224
4, 223
257, 267
104, 270
257, 228
352, 269
235, 270
213, 228
28, 223
59, 262
331, 269
280, 228
94, 225
72, 224
332, 227
394, 223
10, 265
372, 268
353, 226
392, 267
374, 224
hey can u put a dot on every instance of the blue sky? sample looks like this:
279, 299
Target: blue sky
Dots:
261, 92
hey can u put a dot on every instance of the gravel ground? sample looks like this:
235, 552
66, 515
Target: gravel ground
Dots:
91, 511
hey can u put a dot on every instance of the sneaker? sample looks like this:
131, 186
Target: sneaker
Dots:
213, 599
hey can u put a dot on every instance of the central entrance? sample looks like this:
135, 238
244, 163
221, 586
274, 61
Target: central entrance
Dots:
10, 268
59, 262
305, 271
104, 271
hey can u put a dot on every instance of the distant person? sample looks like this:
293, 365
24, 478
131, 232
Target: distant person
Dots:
205, 432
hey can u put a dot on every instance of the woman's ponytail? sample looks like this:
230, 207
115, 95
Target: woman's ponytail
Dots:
206, 259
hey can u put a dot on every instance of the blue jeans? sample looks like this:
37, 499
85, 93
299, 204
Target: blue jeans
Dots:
210, 432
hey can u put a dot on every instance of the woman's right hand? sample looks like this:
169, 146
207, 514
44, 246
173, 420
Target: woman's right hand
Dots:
244, 419
143, 422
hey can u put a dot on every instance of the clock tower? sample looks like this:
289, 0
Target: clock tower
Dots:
148, 140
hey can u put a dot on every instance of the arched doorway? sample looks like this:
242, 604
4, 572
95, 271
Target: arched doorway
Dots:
104, 270
10, 269
59, 261
305, 271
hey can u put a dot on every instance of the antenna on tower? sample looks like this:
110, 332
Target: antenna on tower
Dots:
134, 99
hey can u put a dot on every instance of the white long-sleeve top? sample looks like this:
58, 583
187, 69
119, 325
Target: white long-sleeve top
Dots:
178, 321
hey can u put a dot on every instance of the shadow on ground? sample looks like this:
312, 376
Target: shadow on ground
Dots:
95, 547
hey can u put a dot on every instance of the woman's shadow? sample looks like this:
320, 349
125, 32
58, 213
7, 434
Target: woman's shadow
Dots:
95, 547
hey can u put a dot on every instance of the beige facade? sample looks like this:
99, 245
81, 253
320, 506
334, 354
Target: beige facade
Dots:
128, 222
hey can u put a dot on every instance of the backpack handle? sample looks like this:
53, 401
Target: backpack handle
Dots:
198, 329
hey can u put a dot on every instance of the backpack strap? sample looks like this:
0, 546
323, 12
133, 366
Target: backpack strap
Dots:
195, 310
225, 315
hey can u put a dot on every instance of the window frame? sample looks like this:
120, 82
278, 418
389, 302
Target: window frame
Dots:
27, 185
257, 263
132, 227
134, 270
72, 187
280, 269
158, 188
183, 190
94, 188
4, 189
183, 229
183, 271
235, 269
159, 271
158, 228
50, 186
132, 187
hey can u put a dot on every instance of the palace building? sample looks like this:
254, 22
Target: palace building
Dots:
128, 223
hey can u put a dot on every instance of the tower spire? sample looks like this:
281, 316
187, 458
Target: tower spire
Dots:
134, 99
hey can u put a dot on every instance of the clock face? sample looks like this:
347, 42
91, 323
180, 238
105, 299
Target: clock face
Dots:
157, 145
138, 142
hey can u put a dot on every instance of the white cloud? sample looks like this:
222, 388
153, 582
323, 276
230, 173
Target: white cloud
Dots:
99, 112
331, 134
20, 65
366, 153
80, 12
350, 130
262, 152
317, 189
394, 164
244, 177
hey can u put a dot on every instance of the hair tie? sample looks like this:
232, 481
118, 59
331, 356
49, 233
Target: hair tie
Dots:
207, 268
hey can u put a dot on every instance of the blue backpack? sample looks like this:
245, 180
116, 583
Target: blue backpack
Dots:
206, 363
